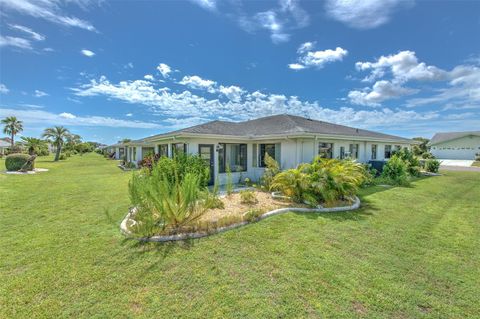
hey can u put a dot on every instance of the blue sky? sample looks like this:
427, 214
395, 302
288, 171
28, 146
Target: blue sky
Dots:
128, 69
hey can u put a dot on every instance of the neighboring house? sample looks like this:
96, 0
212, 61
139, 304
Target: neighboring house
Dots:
455, 145
4, 145
289, 139
119, 149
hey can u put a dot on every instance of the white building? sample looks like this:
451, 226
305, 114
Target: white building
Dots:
290, 140
455, 145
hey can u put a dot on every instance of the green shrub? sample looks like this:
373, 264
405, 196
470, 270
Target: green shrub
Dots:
68, 154
182, 164
432, 165
396, 171
229, 184
253, 215
248, 197
413, 164
18, 161
164, 201
212, 200
428, 156
129, 165
324, 180
62, 157
272, 169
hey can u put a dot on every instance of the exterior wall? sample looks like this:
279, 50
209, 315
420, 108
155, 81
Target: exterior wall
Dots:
463, 148
292, 152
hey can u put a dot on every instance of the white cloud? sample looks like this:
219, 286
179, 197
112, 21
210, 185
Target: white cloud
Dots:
196, 82
296, 66
20, 43
279, 22
381, 91
305, 47
39, 93
249, 105
3, 89
48, 10
404, 67
364, 14
66, 115
206, 4
149, 77
87, 53
34, 35
316, 59
48, 118
129, 114
164, 69
233, 92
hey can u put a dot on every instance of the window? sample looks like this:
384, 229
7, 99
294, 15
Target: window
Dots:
354, 150
163, 150
388, 151
342, 152
147, 151
325, 150
233, 156
179, 148
374, 151
254, 156
266, 149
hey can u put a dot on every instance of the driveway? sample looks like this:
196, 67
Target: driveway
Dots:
451, 162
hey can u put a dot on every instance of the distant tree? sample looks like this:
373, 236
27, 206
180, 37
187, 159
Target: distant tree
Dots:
125, 140
12, 128
57, 136
71, 141
421, 148
83, 148
35, 146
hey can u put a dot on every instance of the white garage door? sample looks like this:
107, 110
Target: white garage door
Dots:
455, 154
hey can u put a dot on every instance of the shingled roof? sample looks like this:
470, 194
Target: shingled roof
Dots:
448, 136
275, 125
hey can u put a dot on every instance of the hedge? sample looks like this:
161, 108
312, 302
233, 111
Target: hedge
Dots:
15, 162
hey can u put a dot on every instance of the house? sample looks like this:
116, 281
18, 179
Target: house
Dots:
289, 139
455, 145
4, 145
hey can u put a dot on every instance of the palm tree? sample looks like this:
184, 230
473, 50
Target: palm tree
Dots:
33, 145
57, 136
12, 127
72, 140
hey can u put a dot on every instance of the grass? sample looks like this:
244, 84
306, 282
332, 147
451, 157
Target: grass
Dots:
408, 253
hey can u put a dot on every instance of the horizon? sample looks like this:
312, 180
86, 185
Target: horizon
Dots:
404, 68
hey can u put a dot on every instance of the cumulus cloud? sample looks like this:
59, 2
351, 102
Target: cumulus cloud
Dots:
68, 119
3, 89
391, 73
149, 77
87, 53
164, 69
196, 82
364, 14
49, 10
317, 59
179, 105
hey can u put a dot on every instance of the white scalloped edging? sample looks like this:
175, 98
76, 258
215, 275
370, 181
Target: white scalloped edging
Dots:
125, 231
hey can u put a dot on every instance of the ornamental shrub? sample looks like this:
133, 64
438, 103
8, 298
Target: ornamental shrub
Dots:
248, 197
396, 171
272, 168
18, 161
182, 164
432, 165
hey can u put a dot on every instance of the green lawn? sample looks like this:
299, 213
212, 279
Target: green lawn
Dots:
408, 253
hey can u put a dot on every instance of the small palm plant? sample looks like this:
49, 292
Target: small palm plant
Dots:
33, 145
293, 182
166, 203
12, 126
57, 135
